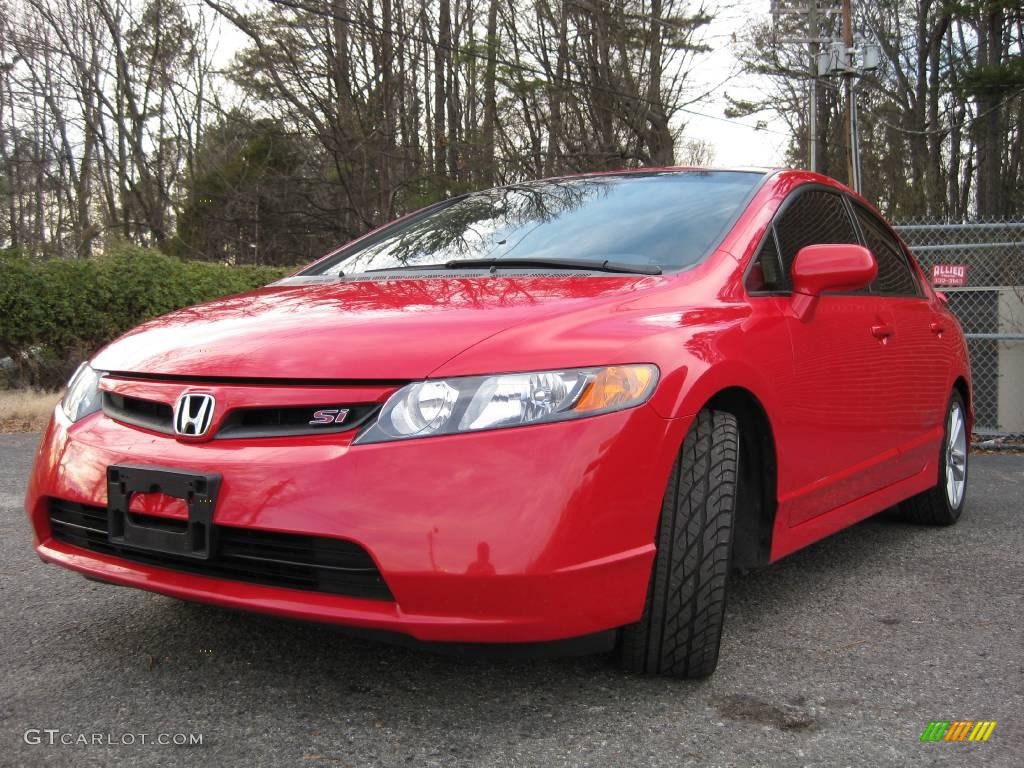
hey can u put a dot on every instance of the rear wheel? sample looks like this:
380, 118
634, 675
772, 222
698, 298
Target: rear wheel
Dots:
681, 628
943, 504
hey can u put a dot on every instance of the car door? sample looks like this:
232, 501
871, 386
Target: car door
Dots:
836, 408
917, 400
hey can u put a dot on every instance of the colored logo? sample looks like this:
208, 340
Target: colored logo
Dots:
329, 416
958, 730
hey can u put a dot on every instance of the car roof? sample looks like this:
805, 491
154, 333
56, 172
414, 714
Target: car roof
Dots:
660, 169
780, 174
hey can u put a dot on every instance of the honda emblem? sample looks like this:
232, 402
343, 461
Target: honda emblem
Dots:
193, 415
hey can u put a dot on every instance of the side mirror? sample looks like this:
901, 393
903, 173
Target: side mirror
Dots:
830, 267
838, 267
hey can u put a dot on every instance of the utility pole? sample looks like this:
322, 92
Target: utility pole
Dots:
850, 122
812, 118
844, 59
854, 142
808, 14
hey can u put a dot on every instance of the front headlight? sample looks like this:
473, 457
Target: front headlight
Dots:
475, 403
83, 395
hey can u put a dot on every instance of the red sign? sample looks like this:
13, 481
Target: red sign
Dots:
949, 275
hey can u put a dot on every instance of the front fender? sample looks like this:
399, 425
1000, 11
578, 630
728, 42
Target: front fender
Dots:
750, 350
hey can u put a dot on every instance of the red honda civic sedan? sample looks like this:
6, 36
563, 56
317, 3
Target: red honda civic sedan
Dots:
554, 412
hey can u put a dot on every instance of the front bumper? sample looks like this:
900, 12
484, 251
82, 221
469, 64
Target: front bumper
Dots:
519, 535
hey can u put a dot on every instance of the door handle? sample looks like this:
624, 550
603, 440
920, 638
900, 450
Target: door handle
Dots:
938, 328
881, 331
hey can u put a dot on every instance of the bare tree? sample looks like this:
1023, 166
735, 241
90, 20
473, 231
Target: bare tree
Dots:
940, 121
350, 112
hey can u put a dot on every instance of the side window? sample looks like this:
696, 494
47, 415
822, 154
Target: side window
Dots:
895, 277
814, 216
766, 271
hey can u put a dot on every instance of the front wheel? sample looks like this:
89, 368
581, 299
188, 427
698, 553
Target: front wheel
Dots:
681, 627
943, 504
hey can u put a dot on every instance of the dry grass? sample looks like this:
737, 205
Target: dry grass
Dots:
26, 410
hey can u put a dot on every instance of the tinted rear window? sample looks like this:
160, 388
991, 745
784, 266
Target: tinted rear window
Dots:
670, 219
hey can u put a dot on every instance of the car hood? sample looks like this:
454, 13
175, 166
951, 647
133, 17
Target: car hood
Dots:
353, 329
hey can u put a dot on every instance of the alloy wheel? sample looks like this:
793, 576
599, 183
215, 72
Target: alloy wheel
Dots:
956, 457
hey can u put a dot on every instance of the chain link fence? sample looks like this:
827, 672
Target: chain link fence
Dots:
980, 267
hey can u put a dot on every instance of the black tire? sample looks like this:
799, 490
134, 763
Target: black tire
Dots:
933, 507
681, 628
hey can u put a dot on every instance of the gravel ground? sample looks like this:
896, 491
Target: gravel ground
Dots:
838, 655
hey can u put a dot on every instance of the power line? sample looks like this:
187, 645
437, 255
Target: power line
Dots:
968, 125
731, 121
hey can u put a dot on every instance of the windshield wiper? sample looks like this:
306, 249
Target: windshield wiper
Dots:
408, 268
584, 264
524, 263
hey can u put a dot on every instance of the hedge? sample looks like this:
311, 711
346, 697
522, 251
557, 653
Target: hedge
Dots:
54, 313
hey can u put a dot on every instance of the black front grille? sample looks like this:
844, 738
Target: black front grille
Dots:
313, 563
293, 420
147, 414
274, 421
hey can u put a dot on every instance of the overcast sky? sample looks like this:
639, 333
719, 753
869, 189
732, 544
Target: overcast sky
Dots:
736, 142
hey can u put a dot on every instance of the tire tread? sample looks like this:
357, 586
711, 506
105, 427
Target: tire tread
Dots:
680, 632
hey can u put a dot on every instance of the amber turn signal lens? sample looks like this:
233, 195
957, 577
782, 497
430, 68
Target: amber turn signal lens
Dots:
615, 387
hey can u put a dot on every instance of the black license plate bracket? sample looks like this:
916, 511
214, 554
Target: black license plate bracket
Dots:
197, 489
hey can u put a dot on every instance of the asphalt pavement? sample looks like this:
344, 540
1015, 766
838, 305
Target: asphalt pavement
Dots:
838, 655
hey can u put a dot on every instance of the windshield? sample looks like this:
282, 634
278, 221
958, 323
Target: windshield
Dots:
670, 219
